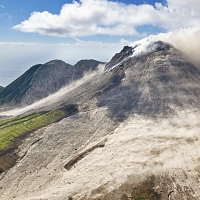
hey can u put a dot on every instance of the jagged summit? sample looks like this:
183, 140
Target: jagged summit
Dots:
136, 49
119, 57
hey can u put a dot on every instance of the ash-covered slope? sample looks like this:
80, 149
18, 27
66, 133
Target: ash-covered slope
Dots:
156, 83
42, 80
136, 133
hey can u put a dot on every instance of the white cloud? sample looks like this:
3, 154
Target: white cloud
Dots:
179, 14
2, 6
91, 17
187, 41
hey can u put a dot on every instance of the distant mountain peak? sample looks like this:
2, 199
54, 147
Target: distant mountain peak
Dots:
44, 79
56, 61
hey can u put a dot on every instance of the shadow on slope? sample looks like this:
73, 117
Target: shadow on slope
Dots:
157, 84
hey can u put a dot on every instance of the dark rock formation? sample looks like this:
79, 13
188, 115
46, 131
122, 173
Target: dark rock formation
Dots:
119, 57
9, 156
81, 155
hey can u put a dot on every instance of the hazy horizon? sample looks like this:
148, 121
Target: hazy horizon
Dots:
37, 32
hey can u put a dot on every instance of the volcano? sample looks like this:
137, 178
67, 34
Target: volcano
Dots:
130, 130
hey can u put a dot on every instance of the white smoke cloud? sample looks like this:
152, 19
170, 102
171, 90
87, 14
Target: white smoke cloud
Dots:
185, 40
91, 17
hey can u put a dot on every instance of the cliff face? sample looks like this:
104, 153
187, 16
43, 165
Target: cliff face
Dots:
119, 57
136, 134
43, 80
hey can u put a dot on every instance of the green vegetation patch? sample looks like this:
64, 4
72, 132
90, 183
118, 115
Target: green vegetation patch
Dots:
11, 128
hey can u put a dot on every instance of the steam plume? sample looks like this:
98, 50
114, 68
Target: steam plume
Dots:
187, 41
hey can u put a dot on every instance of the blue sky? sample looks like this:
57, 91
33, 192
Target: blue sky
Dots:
36, 31
13, 12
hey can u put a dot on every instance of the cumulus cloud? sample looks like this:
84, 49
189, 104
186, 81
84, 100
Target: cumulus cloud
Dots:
91, 17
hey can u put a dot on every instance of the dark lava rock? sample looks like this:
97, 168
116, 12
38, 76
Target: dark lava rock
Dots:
119, 57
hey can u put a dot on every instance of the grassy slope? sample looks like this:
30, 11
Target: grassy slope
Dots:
14, 92
11, 128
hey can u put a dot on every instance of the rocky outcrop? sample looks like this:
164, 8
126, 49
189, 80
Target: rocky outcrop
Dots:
81, 155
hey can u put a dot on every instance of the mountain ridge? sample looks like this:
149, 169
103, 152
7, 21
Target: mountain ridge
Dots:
9, 93
42, 80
